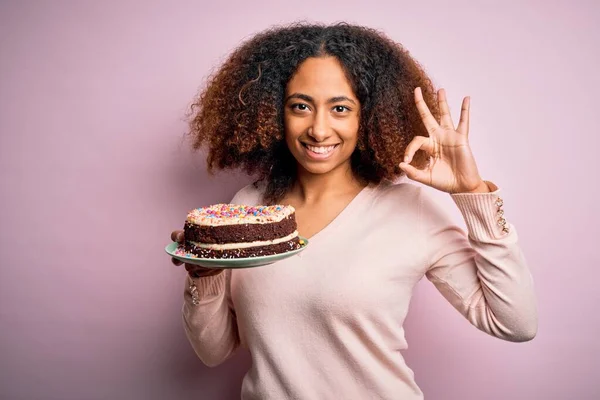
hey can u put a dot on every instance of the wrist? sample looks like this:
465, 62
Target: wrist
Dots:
483, 187
203, 274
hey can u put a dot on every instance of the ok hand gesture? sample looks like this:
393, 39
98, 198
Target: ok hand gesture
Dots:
452, 168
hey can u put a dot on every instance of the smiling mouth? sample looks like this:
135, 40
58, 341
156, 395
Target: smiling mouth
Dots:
322, 150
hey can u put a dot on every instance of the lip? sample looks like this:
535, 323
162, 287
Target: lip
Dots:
318, 156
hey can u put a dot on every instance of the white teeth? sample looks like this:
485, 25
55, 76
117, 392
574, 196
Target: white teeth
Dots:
320, 149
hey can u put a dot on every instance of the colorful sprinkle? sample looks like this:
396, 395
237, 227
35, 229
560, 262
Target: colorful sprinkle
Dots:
230, 213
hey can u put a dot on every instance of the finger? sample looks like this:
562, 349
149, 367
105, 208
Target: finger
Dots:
445, 117
428, 119
176, 261
200, 272
463, 124
418, 143
415, 174
190, 267
177, 236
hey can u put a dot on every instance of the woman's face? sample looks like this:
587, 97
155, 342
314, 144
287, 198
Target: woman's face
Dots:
321, 116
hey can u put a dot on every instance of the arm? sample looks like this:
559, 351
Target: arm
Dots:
210, 324
483, 275
209, 321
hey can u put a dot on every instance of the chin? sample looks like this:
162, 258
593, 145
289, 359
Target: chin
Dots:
321, 168
318, 169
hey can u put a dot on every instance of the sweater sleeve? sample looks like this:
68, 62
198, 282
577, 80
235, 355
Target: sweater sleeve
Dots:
483, 273
209, 322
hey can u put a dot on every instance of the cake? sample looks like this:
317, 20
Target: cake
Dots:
239, 231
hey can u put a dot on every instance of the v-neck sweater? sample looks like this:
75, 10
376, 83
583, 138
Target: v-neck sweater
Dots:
327, 323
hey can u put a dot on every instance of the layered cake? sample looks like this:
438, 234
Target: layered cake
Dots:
239, 231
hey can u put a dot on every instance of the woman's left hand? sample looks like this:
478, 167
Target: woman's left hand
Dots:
452, 168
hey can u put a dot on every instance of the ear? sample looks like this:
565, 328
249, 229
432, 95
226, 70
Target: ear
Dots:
360, 145
362, 139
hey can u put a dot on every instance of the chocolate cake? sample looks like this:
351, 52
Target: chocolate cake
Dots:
239, 231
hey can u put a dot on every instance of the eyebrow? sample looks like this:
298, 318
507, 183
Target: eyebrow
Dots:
309, 99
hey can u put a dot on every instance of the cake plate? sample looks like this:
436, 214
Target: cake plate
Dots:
175, 251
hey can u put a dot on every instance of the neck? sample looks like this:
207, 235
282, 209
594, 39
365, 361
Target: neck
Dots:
311, 188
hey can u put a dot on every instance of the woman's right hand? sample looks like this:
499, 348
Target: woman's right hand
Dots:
195, 271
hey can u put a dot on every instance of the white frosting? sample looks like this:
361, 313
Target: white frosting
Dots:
244, 245
234, 214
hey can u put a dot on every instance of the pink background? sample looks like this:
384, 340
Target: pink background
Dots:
95, 174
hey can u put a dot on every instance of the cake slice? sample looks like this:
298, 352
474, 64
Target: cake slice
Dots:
239, 231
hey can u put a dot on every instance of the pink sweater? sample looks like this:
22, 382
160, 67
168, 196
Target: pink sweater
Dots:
327, 323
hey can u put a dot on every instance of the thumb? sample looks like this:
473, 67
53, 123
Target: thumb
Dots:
413, 173
177, 236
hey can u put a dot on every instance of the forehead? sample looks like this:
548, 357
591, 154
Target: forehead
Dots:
323, 76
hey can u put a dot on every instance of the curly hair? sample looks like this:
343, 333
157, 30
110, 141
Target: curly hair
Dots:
238, 116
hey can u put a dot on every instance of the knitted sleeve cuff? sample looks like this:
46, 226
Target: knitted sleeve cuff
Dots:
200, 288
483, 214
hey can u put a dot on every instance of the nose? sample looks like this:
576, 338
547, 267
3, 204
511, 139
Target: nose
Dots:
319, 130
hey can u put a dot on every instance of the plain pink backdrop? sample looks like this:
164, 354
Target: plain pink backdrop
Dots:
95, 174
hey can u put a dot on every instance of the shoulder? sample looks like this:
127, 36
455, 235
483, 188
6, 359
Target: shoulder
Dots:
250, 194
411, 203
393, 204
404, 193
407, 197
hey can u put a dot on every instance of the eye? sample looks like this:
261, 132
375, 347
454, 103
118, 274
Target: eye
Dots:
299, 107
341, 109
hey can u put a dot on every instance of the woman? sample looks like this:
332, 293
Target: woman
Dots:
326, 117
